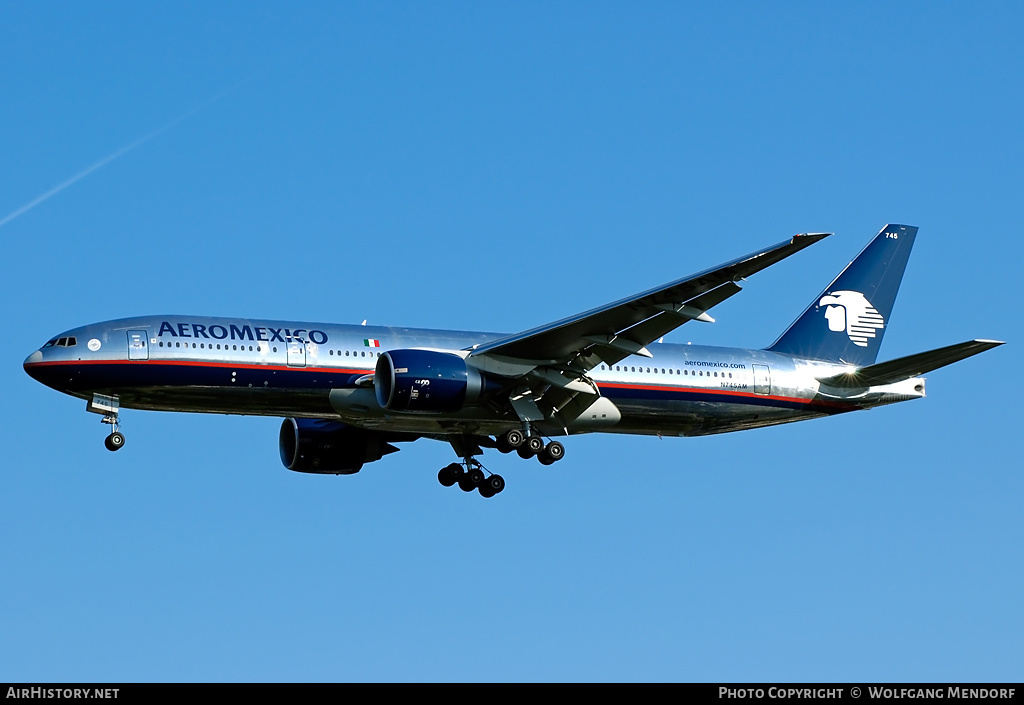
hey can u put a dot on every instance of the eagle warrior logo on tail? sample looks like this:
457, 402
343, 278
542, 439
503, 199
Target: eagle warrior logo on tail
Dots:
851, 312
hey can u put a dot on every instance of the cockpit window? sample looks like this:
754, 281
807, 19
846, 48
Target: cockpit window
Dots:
50, 343
68, 342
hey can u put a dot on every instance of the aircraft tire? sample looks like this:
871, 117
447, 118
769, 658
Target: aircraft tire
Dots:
449, 474
513, 438
554, 450
492, 486
115, 441
535, 444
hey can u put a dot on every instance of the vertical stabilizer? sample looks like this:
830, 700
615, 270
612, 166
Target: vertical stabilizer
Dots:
846, 322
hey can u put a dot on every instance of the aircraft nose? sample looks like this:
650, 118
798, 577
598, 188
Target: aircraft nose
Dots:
30, 361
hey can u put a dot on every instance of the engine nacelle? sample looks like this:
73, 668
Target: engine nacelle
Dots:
425, 380
329, 447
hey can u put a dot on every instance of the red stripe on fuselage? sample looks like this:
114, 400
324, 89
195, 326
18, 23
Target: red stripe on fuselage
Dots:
343, 370
198, 363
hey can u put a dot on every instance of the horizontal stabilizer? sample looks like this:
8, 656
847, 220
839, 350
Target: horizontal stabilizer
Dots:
906, 367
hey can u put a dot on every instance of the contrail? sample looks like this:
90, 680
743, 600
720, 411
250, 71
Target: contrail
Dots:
109, 158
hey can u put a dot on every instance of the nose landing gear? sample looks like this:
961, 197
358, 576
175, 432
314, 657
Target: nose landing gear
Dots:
108, 407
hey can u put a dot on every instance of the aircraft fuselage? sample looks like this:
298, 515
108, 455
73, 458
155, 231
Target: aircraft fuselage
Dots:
319, 370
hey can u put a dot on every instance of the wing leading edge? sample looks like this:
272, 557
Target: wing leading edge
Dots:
611, 332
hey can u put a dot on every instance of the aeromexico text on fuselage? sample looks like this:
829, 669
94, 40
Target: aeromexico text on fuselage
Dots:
244, 332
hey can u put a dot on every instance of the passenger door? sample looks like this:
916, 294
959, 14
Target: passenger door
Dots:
296, 351
762, 379
138, 345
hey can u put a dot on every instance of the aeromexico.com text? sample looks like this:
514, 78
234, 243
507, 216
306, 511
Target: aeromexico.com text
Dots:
703, 363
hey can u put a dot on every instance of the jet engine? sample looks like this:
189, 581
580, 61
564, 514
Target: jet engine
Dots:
329, 447
426, 380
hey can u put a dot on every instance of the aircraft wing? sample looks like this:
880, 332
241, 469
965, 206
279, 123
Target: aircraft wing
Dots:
612, 332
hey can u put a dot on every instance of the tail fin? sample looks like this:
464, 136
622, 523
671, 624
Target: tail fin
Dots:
846, 322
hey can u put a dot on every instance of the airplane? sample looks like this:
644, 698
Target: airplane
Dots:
348, 393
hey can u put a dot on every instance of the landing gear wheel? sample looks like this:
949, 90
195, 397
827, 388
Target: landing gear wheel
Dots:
114, 441
511, 439
469, 481
532, 446
449, 474
535, 444
553, 452
492, 486
502, 444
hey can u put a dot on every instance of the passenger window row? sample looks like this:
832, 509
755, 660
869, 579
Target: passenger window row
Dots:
205, 346
225, 346
684, 373
355, 353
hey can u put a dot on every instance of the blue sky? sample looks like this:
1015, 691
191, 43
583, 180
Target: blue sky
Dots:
494, 166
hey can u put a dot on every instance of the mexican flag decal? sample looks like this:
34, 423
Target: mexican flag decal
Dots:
371, 343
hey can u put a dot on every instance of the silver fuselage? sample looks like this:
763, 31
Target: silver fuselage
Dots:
318, 370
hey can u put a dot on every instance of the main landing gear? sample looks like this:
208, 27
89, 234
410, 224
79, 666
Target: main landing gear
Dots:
471, 477
108, 407
528, 446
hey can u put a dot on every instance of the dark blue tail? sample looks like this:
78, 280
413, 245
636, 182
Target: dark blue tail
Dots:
845, 323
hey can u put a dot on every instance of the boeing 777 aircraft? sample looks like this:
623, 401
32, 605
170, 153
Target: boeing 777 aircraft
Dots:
349, 392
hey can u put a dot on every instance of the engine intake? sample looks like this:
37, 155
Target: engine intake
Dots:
329, 447
425, 380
